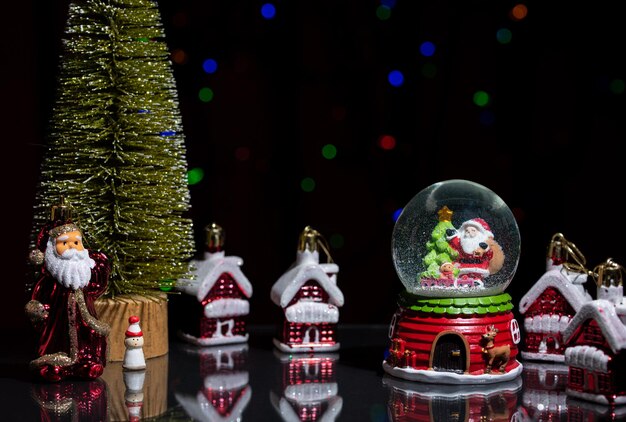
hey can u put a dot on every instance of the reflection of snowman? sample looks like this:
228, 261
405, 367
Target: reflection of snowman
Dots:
133, 356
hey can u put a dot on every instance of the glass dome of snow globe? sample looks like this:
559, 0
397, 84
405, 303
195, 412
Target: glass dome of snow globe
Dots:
456, 238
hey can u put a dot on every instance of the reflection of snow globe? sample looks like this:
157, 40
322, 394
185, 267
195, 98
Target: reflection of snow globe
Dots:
455, 248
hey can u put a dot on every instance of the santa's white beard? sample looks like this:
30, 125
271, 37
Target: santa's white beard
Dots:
470, 244
72, 269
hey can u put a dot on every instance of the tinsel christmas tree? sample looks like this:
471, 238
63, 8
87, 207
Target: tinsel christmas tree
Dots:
116, 149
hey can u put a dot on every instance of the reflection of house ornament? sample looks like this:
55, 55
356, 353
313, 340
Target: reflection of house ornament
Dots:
310, 299
544, 396
309, 390
436, 334
551, 303
225, 393
72, 401
222, 290
409, 401
596, 342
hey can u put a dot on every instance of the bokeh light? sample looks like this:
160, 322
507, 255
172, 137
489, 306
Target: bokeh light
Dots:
389, 3
429, 70
396, 214
205, 94
383, 12
427, 49
268, 11
519, 12
209, 66
179, 56
242, 153
395, 78
336, 241
168, 133
617, 86
387, 142
307, 184
329, 151
504, 35
195, 176
487, 118
481, 98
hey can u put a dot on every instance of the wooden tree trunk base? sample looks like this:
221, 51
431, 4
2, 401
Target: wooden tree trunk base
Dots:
153, 395
152, 313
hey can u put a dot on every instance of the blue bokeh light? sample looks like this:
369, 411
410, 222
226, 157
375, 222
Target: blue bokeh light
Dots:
209, 66
396, 214
268, 11
395, 78
427, 49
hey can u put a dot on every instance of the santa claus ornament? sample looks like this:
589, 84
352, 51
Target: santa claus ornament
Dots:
455, 248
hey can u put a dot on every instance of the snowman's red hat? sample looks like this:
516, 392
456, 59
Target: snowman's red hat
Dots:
133, 329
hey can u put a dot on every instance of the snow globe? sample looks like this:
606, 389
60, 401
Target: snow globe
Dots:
455, 248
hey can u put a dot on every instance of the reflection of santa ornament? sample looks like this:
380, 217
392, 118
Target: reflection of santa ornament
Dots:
454, 323
133, 356
220, 291
310, 299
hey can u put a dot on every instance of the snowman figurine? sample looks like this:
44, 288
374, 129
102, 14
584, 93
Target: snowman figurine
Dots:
133, 356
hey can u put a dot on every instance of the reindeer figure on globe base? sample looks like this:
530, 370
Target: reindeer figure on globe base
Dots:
495, 355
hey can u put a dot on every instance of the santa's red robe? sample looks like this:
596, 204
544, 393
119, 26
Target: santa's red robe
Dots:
71, 336
470, 264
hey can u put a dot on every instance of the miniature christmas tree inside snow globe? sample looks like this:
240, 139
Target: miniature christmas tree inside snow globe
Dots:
455, 248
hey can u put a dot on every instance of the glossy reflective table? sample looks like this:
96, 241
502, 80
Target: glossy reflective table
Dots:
255, 382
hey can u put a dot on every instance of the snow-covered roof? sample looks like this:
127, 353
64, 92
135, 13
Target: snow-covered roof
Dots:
603, 312
200, 409
209, 270
557, 279
307, 267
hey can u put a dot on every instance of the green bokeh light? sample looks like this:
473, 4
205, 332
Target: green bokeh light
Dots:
504, 35
481, 98
383, 12
307, 184
329, 151
195, 175
205, 94
617, 86
336, 241
429, 70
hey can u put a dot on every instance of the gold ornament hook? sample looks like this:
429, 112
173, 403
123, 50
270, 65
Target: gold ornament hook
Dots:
310, 239
562, 250
609, 273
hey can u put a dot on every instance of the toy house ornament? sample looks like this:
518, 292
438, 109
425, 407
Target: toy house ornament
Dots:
551, 303
310, 391
455, 248
310, 299
222, 392
596, 342
220, 292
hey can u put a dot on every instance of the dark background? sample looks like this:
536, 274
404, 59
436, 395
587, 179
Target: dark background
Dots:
549, 143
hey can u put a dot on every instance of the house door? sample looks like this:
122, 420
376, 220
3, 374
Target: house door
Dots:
449, 410
311, 335
450, 354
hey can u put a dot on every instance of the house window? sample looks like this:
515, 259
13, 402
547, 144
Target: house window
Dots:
576, 377
604, 383
593, 334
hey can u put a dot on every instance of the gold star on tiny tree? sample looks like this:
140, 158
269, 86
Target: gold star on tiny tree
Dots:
445, 214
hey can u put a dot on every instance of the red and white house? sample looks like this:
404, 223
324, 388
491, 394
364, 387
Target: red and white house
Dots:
222, 291
548, 308
225, 392
308, 294
596, 353
309, 388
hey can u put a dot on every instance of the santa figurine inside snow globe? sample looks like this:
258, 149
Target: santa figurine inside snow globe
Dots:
455, 247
